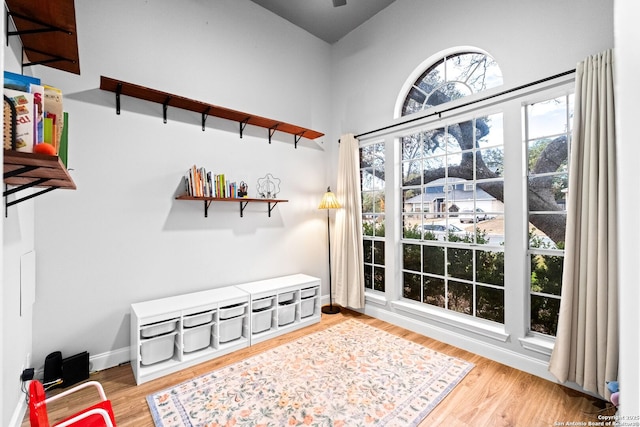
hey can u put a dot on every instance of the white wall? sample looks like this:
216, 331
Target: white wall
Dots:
627, 64
16, 320
529, 40
121, 237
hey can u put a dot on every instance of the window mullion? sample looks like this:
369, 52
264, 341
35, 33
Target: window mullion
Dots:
516, 223
393, 218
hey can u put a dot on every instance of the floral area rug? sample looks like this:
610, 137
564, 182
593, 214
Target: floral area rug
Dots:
350, 374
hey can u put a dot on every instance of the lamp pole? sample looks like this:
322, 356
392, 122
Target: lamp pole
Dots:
328, 202
330, 309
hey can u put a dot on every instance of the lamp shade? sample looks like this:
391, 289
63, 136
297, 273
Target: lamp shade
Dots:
329, 201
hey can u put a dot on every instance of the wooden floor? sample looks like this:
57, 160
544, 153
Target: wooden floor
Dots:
490, 395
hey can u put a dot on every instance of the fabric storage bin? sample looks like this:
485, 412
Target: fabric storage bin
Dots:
285, 297
306, 307
158, 328
197, 319
232, 311
262, 303
261, 321
309, 292
286, 313
196, 338
230, 329
157, 349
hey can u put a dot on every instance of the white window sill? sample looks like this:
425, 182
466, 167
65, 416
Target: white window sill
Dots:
539, 345
476, 326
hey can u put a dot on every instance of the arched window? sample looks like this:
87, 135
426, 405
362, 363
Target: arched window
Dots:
453, 76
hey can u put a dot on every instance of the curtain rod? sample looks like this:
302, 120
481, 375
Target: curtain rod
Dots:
438, 113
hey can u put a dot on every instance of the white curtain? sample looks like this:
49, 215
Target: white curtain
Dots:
347, 252
586, 348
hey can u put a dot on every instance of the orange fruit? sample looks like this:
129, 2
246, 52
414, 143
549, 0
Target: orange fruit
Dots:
45, 148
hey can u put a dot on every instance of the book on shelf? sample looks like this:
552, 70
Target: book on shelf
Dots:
19, 81
53, 110
38, 112
25, 94
202, 183
64, 140
25, 129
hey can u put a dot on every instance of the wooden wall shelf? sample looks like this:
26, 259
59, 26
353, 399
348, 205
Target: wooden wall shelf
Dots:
47, 30
170, 100
27, 170
244, 201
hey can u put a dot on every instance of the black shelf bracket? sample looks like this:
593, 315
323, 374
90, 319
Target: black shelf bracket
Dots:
205, 114
20, 171
38, 181
9, 191
242, 201
46, 28
118, 92
165, 104
272, 130
207, 203
297, 138
242, 206
243, 124
53, 58
271, 207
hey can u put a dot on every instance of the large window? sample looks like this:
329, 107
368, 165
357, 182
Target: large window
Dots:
372, 182
478, 196
453, 217
547, 136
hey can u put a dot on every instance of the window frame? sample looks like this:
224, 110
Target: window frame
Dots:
545, 252
516, 319
475, 248
373, 238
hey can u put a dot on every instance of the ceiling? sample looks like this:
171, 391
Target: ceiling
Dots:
322, 19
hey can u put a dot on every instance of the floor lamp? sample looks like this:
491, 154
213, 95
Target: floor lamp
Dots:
329, 201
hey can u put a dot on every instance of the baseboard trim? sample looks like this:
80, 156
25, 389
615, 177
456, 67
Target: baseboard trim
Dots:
109, 359
18, 414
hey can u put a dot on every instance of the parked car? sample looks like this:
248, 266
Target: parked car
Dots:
467, 215
441, 230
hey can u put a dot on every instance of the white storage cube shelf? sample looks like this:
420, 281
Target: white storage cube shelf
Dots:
174, 333
284, 313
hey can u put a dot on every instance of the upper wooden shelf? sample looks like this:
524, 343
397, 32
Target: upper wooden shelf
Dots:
48, 32
168, 99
